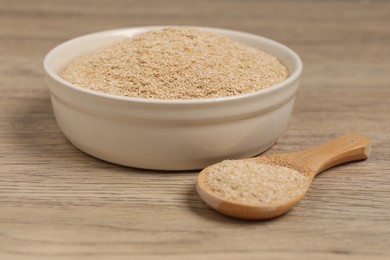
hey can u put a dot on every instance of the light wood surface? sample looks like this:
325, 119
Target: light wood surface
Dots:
59, 203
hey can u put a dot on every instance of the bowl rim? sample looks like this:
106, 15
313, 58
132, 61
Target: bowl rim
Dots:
289, 80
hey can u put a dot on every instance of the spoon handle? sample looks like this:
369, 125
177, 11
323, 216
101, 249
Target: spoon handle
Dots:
346, 148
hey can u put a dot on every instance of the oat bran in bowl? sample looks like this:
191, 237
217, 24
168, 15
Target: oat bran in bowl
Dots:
172, 98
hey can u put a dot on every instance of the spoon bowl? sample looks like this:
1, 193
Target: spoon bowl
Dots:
310, 162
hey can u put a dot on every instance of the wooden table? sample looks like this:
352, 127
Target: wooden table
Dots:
58, 203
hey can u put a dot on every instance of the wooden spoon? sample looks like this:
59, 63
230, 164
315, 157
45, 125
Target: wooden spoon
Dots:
310, 162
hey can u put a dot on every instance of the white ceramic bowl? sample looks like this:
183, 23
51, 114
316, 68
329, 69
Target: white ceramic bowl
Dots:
170, 134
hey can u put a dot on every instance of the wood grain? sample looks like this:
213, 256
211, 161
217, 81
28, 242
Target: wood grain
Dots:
59, 203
